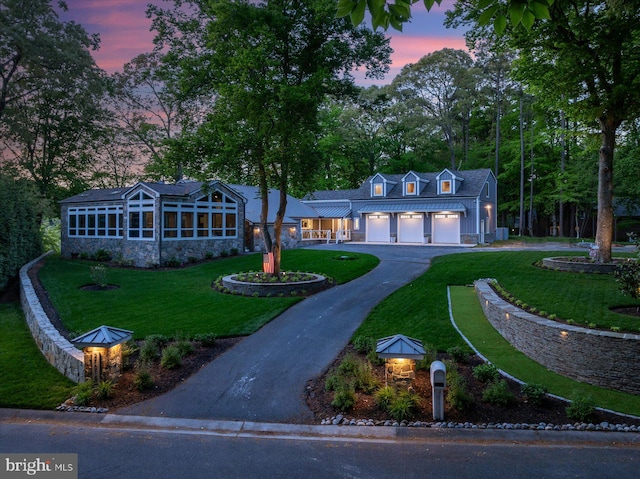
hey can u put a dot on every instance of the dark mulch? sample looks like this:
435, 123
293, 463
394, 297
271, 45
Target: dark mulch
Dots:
550, 411
125, 392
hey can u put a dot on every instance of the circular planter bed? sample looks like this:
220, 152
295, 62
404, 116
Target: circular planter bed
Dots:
97, 287
579, 264
262, 284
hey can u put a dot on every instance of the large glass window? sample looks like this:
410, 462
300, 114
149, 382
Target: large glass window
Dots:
141, 217
95, 221
212, 216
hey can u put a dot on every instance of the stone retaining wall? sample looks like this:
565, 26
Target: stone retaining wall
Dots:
63, 355
602, 358
274, 289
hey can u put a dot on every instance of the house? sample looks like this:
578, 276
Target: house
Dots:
291, 235
448, 208
152, 224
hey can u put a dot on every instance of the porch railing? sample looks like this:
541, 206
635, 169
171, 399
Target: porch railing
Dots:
326, 235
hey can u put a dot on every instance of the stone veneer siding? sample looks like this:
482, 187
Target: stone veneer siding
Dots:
63, 355
601, 358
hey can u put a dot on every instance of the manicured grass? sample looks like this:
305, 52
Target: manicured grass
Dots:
28, 380
420, 309
469, 317
181, 300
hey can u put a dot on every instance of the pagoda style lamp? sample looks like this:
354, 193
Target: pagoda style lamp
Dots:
102, 349
400, 353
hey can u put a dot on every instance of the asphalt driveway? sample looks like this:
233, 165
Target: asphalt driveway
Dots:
263, 377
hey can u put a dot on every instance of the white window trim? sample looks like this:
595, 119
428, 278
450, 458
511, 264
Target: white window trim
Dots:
441, 187
141, 205
94, 212
209, 207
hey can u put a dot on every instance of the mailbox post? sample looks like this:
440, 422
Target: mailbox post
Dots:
438, 382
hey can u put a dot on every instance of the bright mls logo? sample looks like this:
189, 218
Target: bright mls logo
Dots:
51, 466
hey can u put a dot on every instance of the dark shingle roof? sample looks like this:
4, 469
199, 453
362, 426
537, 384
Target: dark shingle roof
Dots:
472, 185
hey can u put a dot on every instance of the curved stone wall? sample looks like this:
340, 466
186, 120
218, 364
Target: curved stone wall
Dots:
602, 358
63, 355
274, 289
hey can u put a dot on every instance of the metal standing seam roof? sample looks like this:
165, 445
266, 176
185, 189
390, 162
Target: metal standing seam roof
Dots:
423, 207
332, 211
104, 336
400, 346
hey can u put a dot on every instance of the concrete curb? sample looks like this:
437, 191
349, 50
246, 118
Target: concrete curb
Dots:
307, 432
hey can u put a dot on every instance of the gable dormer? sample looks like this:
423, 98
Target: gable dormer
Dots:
380, 186
412, 184
448, 182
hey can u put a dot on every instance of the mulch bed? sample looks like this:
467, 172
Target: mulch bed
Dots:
551, 411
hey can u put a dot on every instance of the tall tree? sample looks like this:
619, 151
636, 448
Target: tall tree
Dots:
587, 60
440, 85
148, 104
270, 64
53, 133
34, 44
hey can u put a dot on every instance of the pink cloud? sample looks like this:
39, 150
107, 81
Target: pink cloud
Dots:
409, 49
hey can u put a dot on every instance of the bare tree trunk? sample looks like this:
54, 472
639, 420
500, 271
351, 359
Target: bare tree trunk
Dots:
264, 211
604, 226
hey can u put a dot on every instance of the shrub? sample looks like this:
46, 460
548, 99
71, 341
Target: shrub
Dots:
498, 394
582, 408
160, 340
173, 262
403, 406
171, 357
102, 255
82, 393
374, 359
99, 274
344, 398
364, 379
384, 396
430, 355
234, 251
149, 352
104, 389
185, 347
128, 349
349, 364
458, 395
534, 393
364, 344
486, 373
334, 381
207, 340
143, 380
458, 354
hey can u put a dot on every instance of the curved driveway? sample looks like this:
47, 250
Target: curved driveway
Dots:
263, 378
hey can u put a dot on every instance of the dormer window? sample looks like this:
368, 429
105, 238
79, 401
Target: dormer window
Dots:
445, 187
410, 188
378, 189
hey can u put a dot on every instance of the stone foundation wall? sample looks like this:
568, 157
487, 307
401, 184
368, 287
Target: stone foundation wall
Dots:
601, 358
63, 355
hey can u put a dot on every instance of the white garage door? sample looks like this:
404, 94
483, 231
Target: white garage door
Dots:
410, 228
446, 228
378, 228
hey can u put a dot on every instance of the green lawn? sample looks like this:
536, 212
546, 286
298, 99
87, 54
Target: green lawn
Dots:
472, 322
420, 309
28, 380
181, 300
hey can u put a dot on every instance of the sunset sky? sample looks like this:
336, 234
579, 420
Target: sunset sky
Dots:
124, 32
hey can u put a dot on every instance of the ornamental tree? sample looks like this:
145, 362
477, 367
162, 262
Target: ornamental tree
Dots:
267, 66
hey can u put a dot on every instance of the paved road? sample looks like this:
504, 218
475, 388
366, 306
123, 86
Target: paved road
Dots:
263, 378
125, 447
